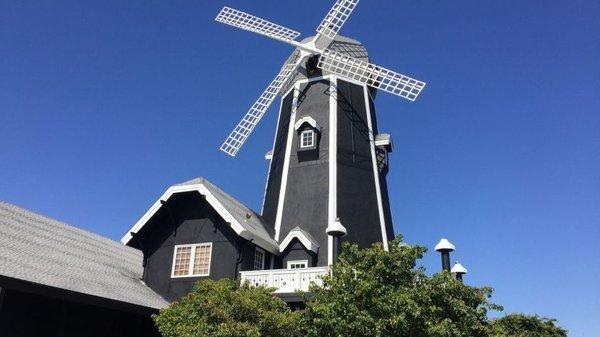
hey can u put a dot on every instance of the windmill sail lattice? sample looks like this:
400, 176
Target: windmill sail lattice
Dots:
238, 136
371, 75
335, 19
329, 60
252, 23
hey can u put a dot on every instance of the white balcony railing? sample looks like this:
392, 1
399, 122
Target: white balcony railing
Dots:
285, 281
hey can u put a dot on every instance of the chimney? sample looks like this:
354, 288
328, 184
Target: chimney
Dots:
445, 247
459, 271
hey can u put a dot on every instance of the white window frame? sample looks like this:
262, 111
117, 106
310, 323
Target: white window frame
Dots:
313, 139
262, 263
192, 260
290, 263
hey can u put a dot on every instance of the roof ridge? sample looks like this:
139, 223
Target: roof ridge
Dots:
225, 194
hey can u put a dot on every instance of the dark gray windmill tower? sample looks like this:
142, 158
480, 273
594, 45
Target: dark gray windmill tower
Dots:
328, 162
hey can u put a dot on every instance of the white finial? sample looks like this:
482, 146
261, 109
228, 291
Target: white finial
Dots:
336, 229
444, 245
458, 268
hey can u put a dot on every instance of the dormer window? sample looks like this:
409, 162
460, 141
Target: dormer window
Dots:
308, 135
308, 139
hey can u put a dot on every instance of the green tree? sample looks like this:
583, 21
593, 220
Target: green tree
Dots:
520, 325
376, 293
370, 293
225, 309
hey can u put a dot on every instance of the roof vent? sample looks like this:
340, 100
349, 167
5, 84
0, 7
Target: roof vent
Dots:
459, 270
444, 245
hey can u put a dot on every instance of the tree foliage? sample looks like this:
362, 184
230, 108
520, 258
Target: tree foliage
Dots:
370, 293
376, 293
225, 309
520, 325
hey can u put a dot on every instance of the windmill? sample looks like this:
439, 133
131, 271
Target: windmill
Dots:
328, 163
329, 60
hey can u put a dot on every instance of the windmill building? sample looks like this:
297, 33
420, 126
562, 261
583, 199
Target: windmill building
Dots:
326, 184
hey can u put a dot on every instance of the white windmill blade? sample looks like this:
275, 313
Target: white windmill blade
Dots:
371, 74
242, 131
252, 23
335, 19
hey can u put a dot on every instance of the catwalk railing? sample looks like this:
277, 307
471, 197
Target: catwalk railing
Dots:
285, 280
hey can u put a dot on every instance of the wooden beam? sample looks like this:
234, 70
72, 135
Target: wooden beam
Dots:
2, 291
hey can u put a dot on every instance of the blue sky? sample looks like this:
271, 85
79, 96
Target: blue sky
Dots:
105, 104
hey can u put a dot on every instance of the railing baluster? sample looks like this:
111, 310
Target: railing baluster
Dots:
293, 278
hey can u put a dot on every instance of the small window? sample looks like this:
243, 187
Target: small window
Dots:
307, 139
297, 264
192, 260
259, 259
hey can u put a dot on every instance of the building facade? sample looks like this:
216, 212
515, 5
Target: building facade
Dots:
328, 165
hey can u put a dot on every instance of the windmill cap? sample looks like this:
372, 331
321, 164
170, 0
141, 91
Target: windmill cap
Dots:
336, 229
444, 246
458, 269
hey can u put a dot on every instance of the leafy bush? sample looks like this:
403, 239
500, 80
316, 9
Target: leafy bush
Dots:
520, 325
225, 309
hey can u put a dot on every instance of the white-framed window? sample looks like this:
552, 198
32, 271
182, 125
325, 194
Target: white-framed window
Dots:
307, 139
297, 264
259, 259
192, 260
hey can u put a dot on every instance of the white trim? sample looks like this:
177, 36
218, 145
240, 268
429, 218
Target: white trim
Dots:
305, 262
384, 238
307, 119
384, 139
345, 79
313, 79
286, 163
332, 200
305, 241
262, 208
316, 79
214, 202
193, 246
262, 251
313, 139
287, 92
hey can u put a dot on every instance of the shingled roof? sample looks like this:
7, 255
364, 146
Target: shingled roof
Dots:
45, 251
243, 220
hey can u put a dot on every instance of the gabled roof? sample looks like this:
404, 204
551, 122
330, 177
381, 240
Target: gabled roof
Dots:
232, 211
308, 120
45, 251
303, 236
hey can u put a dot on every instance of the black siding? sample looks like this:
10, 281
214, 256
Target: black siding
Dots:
276, 169
387, 210
307, 192
191, 220
356, 190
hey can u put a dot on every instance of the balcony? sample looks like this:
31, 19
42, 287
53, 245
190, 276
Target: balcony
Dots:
285, 281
